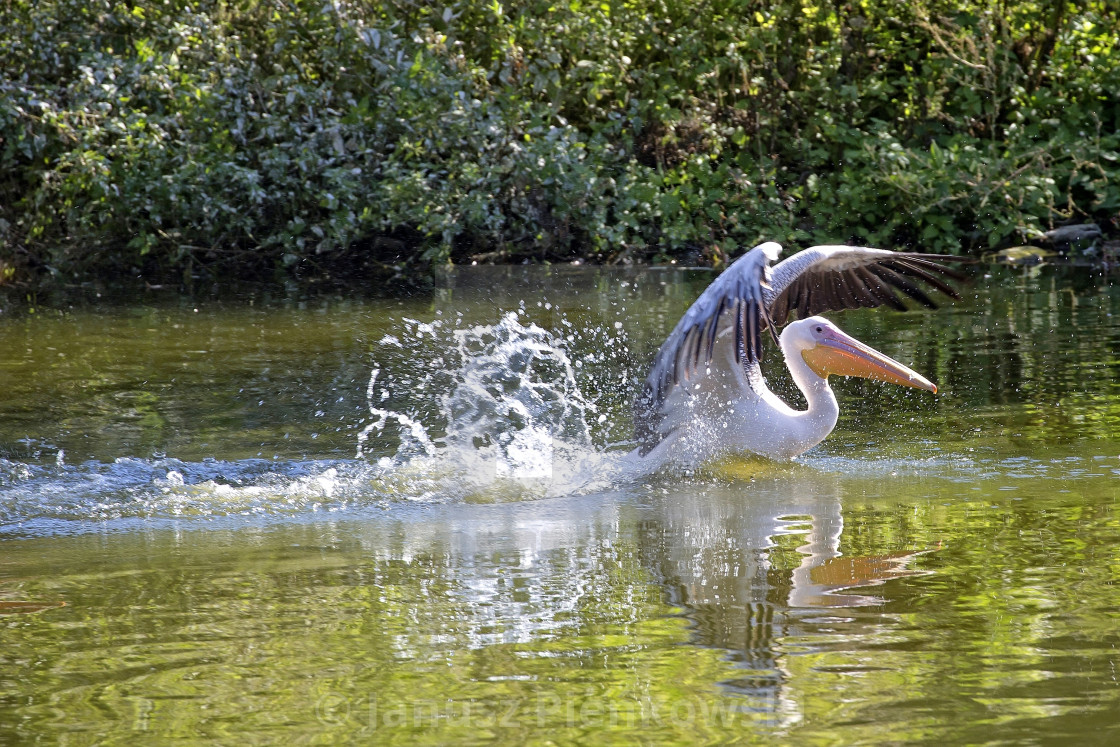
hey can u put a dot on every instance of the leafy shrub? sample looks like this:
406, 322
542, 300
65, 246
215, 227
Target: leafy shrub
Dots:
263, 134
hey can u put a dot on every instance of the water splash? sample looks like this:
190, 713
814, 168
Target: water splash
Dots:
129, 492
492, 412
482, 413
412, 434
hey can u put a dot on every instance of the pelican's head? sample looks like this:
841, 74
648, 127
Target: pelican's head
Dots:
828, 350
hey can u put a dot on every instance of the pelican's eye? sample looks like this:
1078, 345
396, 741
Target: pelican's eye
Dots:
819, 329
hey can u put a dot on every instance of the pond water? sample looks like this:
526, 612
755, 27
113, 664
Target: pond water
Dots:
317, 519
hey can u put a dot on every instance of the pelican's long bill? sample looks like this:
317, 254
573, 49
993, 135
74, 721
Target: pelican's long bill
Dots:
843, 355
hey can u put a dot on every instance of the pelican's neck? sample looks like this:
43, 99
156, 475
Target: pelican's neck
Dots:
817, 421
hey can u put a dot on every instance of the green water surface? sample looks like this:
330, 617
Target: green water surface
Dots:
191, 548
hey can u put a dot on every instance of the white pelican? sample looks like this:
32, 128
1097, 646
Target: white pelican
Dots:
705, 395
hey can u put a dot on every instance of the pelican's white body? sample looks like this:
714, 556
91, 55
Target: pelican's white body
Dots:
726, 407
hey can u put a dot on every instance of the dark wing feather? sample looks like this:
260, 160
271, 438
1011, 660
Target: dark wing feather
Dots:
904, 284
832, 278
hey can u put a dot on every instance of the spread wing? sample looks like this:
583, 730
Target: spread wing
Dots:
753, 297
736, 298
832, 278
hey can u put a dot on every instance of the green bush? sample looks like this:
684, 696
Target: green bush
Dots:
254, 135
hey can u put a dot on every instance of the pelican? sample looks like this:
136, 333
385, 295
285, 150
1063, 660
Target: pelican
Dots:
705, 395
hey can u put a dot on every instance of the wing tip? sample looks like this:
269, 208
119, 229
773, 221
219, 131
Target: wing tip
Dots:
772, 250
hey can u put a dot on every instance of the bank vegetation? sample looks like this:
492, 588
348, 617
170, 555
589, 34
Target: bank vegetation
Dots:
161, 137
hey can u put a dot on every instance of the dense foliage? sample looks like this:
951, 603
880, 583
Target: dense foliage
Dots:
158, 135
